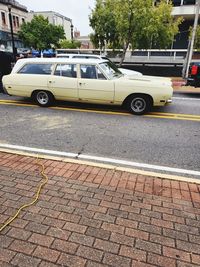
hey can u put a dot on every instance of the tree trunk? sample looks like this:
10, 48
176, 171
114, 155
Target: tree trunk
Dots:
124, 53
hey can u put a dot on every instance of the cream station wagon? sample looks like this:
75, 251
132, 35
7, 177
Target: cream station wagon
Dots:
85, 80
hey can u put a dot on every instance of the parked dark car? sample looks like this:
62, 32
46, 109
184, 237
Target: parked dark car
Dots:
194, 74
5, 66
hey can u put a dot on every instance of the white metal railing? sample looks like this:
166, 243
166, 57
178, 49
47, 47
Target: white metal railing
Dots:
148, 54
154, 53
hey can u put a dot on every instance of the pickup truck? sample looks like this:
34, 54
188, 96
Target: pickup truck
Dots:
194, 74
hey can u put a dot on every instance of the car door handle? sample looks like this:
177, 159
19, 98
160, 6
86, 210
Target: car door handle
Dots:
51, 81
81, 83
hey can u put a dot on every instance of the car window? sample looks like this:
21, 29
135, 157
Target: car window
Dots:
65, 56
100, 75
88, 71
66, 70
43, 69
111, 70
106, 58
113, 64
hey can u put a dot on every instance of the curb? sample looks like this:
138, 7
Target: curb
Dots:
103, 165
186, 92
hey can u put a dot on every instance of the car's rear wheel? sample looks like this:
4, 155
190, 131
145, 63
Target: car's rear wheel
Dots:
139, 104
43, 98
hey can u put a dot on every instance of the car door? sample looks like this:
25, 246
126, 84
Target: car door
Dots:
63, 83
93, 86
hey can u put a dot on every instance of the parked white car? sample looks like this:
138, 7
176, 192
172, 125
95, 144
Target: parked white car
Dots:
85, 80
93, 56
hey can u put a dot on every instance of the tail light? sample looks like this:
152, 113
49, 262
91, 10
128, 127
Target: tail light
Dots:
194, 70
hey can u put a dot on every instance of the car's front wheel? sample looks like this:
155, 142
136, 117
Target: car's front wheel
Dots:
139, 104
43, 98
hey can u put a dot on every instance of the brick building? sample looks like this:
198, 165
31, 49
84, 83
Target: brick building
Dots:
19, 15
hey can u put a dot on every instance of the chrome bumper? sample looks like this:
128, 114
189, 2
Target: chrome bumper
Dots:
169, 101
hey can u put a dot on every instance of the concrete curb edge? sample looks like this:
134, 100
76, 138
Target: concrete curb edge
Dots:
103, 165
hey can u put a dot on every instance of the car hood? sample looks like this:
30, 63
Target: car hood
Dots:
147, 78
130, 72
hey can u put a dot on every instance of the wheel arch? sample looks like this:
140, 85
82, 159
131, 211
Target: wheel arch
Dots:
126, 100
38, 90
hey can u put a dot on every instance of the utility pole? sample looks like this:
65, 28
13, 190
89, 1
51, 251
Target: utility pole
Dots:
72, 32
191, 42
11, 31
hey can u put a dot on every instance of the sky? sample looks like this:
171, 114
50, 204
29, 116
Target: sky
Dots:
77, 10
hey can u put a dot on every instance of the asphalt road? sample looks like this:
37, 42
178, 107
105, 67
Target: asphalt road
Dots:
166, 139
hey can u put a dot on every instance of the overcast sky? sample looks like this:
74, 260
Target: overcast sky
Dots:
77, 10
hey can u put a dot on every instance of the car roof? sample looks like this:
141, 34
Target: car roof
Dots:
78, 55
22, 62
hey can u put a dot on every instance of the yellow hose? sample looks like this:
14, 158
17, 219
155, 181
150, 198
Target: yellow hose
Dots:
33, 201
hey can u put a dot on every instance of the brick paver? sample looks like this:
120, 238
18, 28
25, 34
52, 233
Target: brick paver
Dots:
93, 217
179, 86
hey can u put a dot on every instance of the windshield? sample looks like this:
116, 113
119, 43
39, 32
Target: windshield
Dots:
111, 70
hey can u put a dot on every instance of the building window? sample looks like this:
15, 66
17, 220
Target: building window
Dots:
189, 2
183, 2
14, 21
23, 20
3, 18
178, 2
17, 22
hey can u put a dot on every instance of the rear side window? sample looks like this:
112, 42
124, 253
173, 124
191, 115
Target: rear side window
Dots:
43, 69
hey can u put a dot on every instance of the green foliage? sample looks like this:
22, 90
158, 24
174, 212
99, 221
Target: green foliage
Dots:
197, 37
119, 23
40, 34
104, 24
163, 26
69, 44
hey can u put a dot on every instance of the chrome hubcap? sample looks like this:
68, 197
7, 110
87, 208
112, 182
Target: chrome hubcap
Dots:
138, 104
42, 98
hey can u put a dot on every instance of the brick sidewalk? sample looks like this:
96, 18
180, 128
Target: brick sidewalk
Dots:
178, 86
186, 89
92, 217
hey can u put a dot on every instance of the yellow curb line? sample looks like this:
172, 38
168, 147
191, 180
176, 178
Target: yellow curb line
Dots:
103, 165
156, 115
162, 115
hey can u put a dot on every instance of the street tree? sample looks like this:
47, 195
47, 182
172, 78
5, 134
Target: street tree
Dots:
40, 34
197, 37
71, 44
135, 23
103, 23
